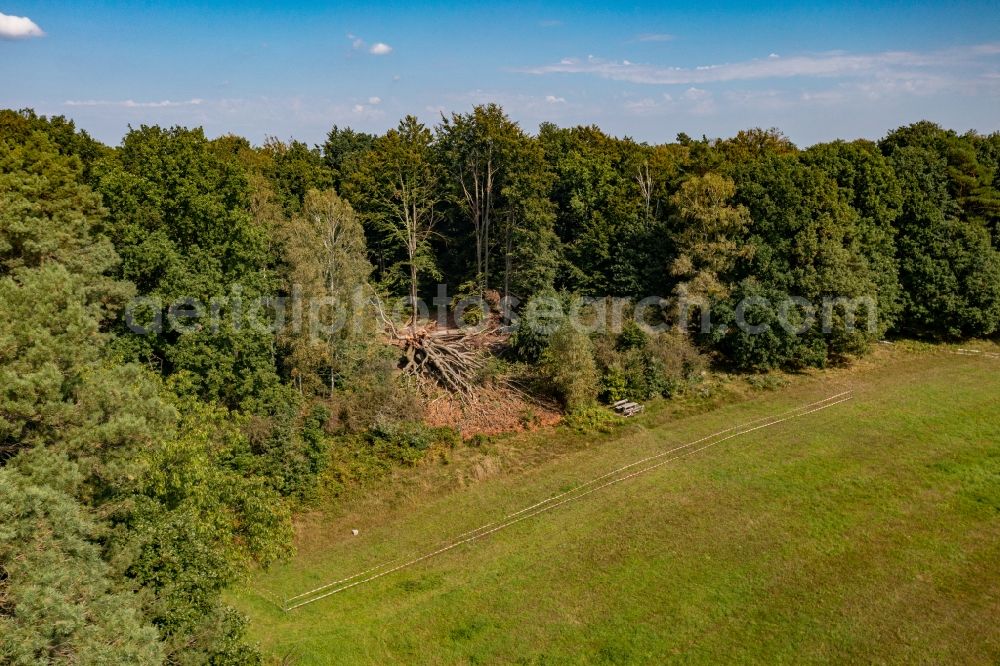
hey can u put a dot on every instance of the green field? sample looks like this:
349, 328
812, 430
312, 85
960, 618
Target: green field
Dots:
869, 531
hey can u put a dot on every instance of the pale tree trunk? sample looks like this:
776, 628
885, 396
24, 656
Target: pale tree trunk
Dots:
486, 226
413, 240
413, 288
645, 182
479, 198
508, 253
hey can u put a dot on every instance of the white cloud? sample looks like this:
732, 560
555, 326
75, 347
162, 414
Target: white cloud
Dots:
131, 104
374, 100
518, 105
824, 96
654, 37
367, 111
885, 65
763, 100
378, 48
18, 27
693, 101
641, 106
699, 101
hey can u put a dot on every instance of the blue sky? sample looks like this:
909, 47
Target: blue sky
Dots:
643, 69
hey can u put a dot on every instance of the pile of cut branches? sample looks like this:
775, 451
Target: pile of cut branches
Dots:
450, 358
453, 358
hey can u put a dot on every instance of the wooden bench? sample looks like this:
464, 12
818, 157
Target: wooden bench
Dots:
627, 408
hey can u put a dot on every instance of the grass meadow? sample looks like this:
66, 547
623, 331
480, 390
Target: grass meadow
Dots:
865, 532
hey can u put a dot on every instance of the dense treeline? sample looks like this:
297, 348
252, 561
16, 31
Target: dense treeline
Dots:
141, 475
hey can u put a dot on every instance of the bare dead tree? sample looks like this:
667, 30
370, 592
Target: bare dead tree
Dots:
477, 183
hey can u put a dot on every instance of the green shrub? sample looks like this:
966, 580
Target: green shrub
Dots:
540, 317
614, 384
289, 448
473, 315
591, 419
362, 458
376, 395
672, 363
528, 344
568, 361
474, 311
632, 337
638, 366
406, 442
